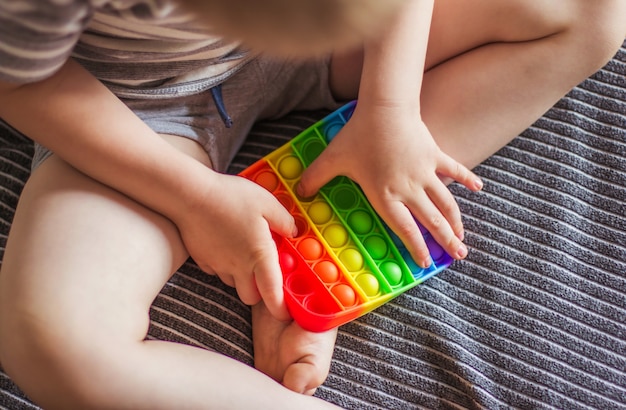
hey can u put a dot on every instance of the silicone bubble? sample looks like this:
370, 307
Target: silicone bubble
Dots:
290, 167
301, 284
344, 198
368, 283
301, 224
287, 201
320, 212
287, 262
360, 221
332, 130
310, 248
376, 246
312, 150
352, 259
336, 235
345, 294
327, 271
267, 180
412, 265
392, 272
436, 251
319, 306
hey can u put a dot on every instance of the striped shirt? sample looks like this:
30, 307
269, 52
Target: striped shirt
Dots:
138, 48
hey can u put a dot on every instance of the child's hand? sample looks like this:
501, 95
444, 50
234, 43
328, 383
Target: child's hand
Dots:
227, 232
395, 160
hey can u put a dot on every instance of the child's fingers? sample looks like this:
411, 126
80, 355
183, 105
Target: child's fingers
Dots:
450, 168
402, 222
443, 199
227, 279
247, 291
317, 174
269, 283
437, 225
278, 218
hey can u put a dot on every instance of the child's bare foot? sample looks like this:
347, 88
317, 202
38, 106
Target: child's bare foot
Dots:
297, 358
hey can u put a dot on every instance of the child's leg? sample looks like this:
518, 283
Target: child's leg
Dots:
494, 67
81, 268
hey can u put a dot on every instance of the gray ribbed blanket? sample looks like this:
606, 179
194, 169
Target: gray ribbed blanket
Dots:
533, 319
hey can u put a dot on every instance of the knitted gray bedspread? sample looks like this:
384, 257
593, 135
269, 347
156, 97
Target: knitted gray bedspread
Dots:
534, 318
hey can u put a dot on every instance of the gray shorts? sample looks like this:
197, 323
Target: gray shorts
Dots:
262, 89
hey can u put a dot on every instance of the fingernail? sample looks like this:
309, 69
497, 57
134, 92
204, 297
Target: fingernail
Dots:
462, 252
426, 263
300, 189
300, 195
478, 184
461, 235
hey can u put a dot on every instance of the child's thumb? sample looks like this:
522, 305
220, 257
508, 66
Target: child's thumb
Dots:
281, 221
317, 174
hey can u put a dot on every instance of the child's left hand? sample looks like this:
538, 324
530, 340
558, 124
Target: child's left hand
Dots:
393, 157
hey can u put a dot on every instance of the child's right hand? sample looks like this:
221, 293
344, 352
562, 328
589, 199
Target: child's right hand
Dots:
390, 153
227, 232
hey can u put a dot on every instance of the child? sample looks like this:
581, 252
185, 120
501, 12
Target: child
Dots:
104, 222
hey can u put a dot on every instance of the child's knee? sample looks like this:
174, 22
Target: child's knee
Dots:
599, 28
587, 34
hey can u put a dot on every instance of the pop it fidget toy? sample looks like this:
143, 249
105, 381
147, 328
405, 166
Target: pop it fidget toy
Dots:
345, 261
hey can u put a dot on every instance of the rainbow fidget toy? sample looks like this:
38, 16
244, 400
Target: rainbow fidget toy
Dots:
345, 261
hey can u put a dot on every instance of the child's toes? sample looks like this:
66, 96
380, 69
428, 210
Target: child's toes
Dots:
304, 378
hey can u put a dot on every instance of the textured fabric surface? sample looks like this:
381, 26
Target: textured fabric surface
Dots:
533, 319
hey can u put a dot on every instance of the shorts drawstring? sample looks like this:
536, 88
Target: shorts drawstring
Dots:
216, 93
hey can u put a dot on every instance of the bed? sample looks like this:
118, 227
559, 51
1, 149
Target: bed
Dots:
534, 318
